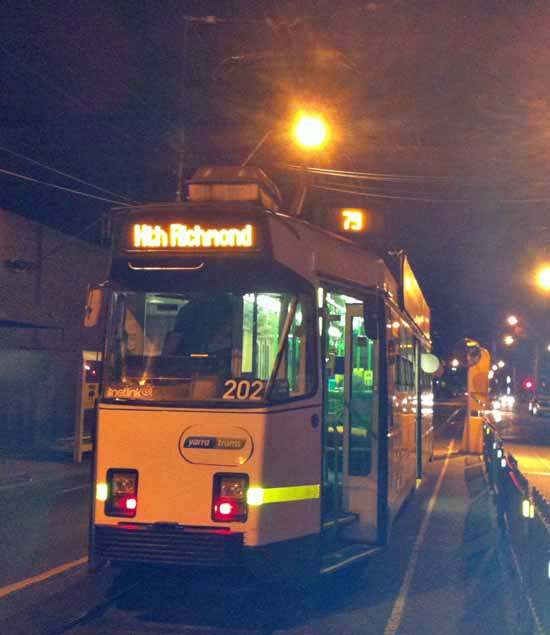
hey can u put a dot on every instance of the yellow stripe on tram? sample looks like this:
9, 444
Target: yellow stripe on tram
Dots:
263, 495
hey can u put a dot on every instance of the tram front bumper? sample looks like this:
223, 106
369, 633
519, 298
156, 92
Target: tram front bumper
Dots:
178, 546
168, 545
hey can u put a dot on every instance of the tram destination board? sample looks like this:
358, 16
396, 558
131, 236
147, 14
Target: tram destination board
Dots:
187, 233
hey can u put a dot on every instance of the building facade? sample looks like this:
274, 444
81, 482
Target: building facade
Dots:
44, 275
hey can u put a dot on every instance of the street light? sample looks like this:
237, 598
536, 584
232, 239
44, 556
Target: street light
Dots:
509, 340
512, 320
310, 131
543, 278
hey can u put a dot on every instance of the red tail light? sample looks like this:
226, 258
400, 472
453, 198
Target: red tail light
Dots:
229, 500
122, 497
130, 503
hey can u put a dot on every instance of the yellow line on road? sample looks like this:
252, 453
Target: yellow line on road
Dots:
17, 586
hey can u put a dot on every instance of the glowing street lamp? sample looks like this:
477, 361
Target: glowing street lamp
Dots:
501, 364
543, 278
512, 320
508, 340
311, 131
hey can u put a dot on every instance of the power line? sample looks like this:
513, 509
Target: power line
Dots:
360, 192
65, 174
23, 177
371, 194
368, 175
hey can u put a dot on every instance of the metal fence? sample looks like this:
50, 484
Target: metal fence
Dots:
524, 517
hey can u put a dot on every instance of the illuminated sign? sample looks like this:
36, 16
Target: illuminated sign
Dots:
353, 220
179, 236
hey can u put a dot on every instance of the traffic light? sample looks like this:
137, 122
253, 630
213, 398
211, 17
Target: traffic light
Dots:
528, 383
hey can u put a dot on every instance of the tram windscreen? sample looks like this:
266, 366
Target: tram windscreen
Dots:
210, 346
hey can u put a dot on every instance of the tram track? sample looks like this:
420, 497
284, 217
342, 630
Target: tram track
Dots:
162, 607
91, 614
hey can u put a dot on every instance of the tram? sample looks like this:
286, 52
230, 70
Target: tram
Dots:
263, 406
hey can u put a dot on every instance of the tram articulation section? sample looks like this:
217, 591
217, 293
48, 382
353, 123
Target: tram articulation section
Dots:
263, 402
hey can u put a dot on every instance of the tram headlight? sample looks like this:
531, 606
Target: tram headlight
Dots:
122, 498
229, 499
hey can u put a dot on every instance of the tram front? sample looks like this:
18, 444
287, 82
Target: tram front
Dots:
208, 449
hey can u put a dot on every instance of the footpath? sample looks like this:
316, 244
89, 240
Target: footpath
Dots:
464, 580
26, 469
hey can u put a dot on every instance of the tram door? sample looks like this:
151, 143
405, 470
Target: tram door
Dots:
349, 404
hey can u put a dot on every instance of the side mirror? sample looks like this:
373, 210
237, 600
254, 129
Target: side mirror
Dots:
467, 352
429, 363
92, 310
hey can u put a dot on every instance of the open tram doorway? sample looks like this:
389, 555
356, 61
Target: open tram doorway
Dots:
350, 418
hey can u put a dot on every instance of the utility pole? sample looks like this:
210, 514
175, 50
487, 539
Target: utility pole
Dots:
184, 93
183, 104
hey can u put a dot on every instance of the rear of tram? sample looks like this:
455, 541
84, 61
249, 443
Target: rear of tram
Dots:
254, 415
208, 440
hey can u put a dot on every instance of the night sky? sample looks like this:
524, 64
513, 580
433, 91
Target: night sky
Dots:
455, 94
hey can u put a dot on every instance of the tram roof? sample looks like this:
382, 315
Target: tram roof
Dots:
312, 251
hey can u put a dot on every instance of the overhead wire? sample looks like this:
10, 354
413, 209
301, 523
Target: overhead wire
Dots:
359, 192
369, 175
424, 199
65, 174
24, 177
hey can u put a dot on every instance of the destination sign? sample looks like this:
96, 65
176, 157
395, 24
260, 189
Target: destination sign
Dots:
179, 236
353, 220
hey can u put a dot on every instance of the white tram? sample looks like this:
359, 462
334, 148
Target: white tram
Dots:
261, 403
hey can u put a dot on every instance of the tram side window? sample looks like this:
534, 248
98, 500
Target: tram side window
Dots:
401, 361
362, 402
264, 318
